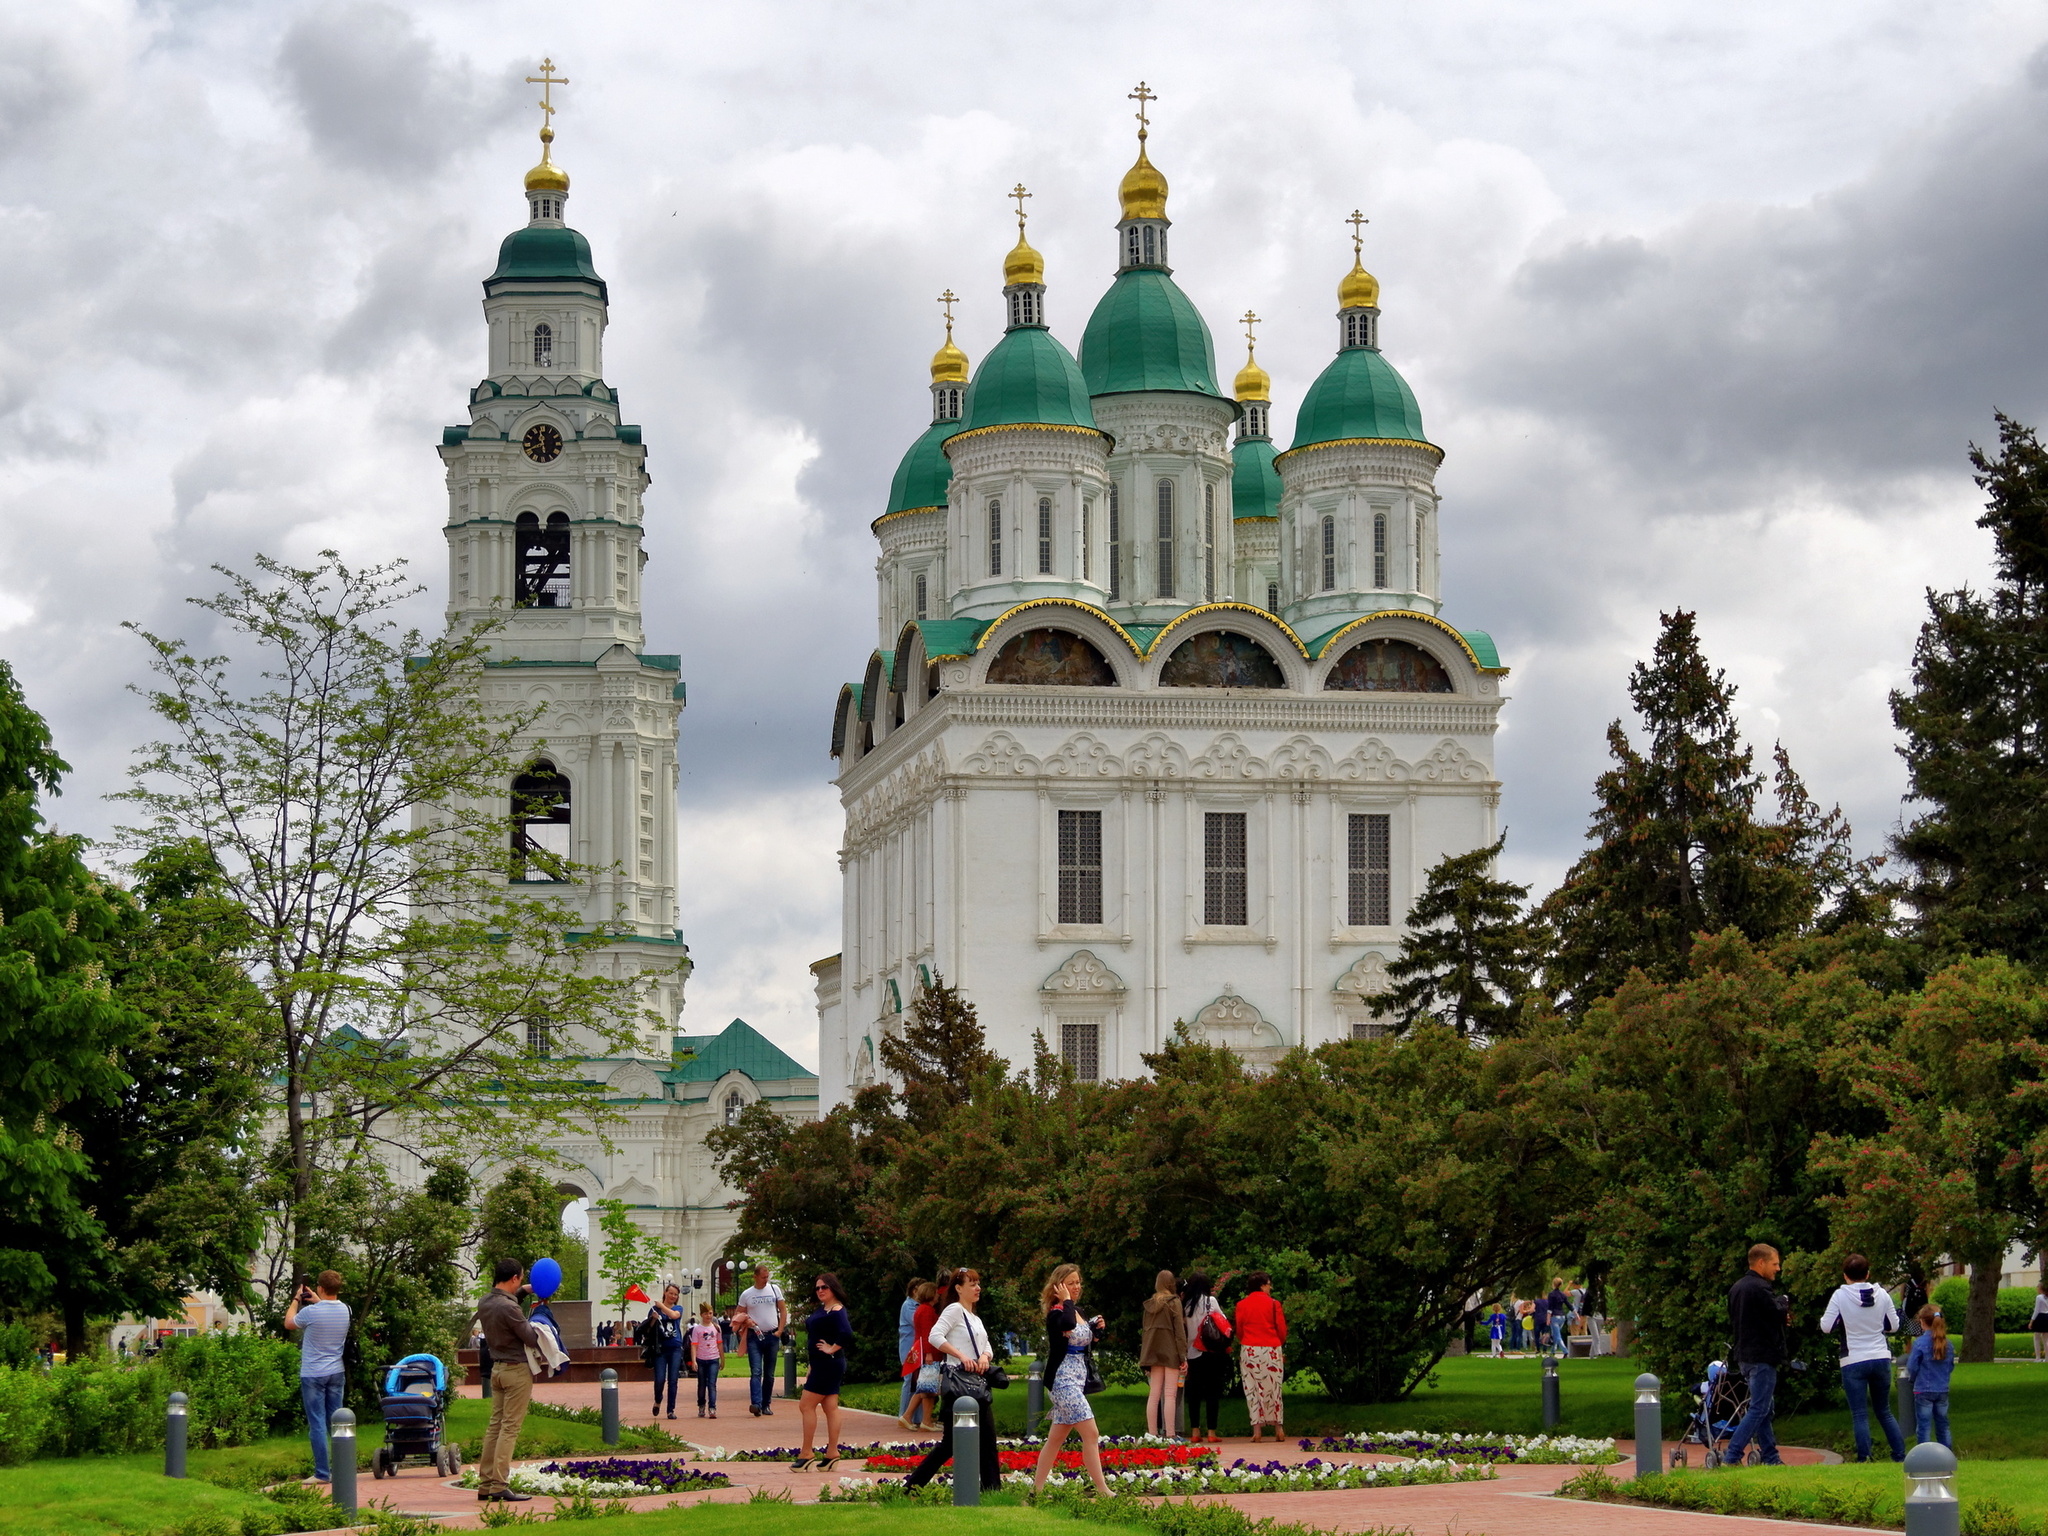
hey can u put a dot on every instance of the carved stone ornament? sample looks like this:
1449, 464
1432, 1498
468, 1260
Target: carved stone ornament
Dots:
1366, 978
633, 1081
1083, 757
1236, 1024
1002, 756
1082, 975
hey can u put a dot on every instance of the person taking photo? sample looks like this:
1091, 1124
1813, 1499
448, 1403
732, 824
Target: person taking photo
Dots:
324, 1320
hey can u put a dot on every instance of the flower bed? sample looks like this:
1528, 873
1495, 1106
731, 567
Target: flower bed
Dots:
612, 1477
914, 1449
1122, 1458
1239, 1477
1525, 1449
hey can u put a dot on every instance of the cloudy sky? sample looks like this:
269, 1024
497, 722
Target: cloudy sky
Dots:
1704, 303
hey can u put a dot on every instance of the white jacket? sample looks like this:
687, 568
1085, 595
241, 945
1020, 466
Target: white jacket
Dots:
1865, 1310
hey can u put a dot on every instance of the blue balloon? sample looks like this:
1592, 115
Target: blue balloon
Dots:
545, 1278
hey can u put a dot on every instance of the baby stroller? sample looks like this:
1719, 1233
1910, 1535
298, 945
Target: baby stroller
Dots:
1723, 1399
415, 1405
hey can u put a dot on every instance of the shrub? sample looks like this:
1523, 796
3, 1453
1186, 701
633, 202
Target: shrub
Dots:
25, 1403
241, 1386
18, 1346
2015, 1304
101, 1408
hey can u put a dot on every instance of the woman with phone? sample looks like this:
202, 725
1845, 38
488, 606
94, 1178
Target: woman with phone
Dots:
1068, 1335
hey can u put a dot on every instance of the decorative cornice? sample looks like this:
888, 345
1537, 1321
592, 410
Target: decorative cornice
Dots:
1135, 710
1354, 442
1330, 642
890, 517
1061, 602
1023, 426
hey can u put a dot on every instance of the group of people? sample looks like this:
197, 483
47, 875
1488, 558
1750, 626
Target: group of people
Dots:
1539, 1323
757, 1326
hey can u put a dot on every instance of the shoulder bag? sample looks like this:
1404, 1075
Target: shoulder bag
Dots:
1092, 1383
955, 1380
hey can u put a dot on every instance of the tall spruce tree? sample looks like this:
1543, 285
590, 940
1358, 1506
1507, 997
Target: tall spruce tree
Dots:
941, 1052
1466, 960
1677, 846
1976, 726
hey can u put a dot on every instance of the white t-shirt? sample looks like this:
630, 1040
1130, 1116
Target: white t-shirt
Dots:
1865, 1310
962, 1329
760, 1304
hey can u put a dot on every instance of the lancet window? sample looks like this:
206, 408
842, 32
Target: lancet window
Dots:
541, 824
543, 560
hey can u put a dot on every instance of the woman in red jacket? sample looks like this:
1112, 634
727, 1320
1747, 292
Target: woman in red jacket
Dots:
1261, 1337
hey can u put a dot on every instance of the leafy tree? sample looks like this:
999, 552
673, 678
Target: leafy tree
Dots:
1678, 849
1976, 726
170, 1153
354, 798
631, 1255
1959, 1167
62, 1025
522, 1221
1466, 960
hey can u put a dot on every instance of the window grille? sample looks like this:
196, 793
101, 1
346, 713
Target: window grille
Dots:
1371, 841
1045, 535
1370, 1029
1209, 543
1116, 547
537, 1041
1081, 1048
1223, 885
1329, 554
921, 590
1087, 541
995, 538
735, 1101
1080, 866
1272, 597
543, 345
1379, 549
1165, 495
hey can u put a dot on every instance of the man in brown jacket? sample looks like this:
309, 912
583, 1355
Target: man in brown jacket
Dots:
507, 1333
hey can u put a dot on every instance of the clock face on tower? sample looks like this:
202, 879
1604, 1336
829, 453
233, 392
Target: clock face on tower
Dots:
543, 444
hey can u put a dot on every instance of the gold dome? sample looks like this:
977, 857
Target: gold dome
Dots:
1360, 289
1023, 264
1144, 188
949, 363
547, 176
1252, 382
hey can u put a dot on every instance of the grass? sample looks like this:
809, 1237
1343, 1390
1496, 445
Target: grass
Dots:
1869, 1494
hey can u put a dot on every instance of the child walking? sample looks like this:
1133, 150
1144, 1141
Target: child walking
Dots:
1929, 1364
707, 1354
1497, 1330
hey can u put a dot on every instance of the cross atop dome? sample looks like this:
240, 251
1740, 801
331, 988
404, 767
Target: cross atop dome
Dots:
547, 184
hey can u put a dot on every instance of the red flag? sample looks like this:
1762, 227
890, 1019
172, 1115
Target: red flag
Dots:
634, 1293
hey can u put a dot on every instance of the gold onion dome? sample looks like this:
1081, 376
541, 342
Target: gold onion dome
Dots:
1252, 383
1023, 264
1144, 189
949, 363
547, 176
1360, 289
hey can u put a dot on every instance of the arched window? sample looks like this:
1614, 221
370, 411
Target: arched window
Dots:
537, 1041
735, 1101
540, 824
1151, 248
1209, 543
1272, 597
543, 561
921, 594
1164, 492
1329, 554
1131, 248
1025, 308
952, 405
1116, 547
1358, 328
995, 537
1418, 551
543, 345
1379, 549
1045, 535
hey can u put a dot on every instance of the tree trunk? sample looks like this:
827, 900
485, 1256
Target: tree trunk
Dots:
74, 1326
1980, 1327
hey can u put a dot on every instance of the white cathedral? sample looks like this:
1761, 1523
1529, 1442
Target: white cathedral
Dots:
1164, 726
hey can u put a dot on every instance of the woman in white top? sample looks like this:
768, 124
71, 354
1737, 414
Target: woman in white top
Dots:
2039, 1323
961, 1342
1865, 1313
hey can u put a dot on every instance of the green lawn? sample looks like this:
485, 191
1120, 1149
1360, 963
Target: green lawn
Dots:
1869, 1494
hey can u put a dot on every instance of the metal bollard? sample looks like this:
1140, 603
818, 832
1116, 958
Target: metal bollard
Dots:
967, 1450
176, 1423
1552, 1411
1649, 1426
1180, 1412
608, 1395
789, 1371
1931, 1507
1034, 1398
341, 1459
1902, 1403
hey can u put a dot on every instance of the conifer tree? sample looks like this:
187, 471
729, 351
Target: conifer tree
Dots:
1465, 961
941, 1052
1976, 725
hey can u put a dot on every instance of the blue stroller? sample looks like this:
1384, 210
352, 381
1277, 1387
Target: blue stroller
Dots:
1723, 1399
415, 1403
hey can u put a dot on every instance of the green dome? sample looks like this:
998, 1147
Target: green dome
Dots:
925, 474
1254, 482
1358, 395
542, 251
1028, 378
1146, 335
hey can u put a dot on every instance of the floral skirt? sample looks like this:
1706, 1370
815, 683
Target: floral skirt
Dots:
1069, 1403
1264, 1370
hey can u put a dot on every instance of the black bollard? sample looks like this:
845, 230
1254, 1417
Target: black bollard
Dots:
608, 1393
967, 1450
176, 1423
1034, 1398
1649, 1426
1903, 1405
341, 1459
789, 1371
1551, 1410
1931, 1507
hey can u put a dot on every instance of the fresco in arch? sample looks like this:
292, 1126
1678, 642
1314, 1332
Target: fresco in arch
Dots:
1220, 659
1389, 666
1053, 658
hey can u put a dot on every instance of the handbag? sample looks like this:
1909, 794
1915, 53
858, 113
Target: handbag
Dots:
1211, 1336
996, 1377
955, 1380
1092, 1382
928, 1379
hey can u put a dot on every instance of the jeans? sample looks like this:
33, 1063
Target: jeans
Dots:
1756, 1424
707, 1384
1869, 1385
1557, 1323
1931, 1409
668, 1367
761, 1370
321, 1395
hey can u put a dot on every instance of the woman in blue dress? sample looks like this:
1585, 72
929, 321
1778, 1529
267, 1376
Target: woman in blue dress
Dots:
829, 1333
1068, 1335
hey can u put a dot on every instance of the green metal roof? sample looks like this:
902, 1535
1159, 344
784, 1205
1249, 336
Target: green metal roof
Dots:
738, 1048
1027, 378
942, 637
925, 474
1254, 482
1358, 395
1145, 334
1478, 643
543, 252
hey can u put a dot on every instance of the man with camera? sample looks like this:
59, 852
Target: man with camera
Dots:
507, 1333
1760, 1315
324, 1320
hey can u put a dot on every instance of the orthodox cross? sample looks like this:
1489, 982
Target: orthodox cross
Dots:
547, 80
1141, 95
1357, 221
949, 298
1020, 194
1249, 320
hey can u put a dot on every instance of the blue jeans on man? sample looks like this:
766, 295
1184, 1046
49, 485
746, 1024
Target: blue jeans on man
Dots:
761, 1370
668, 1367
1869, 1385
321, 1396
1930, 1412
1756, 1424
